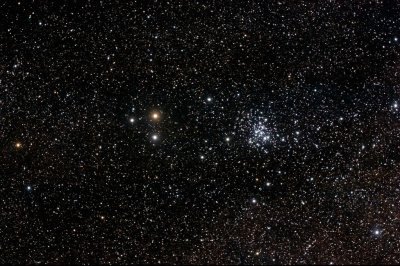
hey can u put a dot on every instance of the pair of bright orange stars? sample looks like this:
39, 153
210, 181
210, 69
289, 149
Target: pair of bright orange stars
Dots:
155, 116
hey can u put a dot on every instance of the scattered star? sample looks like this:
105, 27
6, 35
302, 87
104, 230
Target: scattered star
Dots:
154, 137
155, 116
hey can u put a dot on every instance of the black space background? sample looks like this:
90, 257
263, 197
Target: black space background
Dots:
89, 186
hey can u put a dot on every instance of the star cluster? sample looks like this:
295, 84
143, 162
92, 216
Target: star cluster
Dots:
200, 132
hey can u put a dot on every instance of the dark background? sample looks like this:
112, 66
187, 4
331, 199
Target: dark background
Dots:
89, 186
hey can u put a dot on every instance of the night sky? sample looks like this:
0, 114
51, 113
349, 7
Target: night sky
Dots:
200, 132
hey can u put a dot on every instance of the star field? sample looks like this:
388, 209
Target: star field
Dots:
200, 132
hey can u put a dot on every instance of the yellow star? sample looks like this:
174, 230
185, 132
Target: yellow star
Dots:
155, 116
